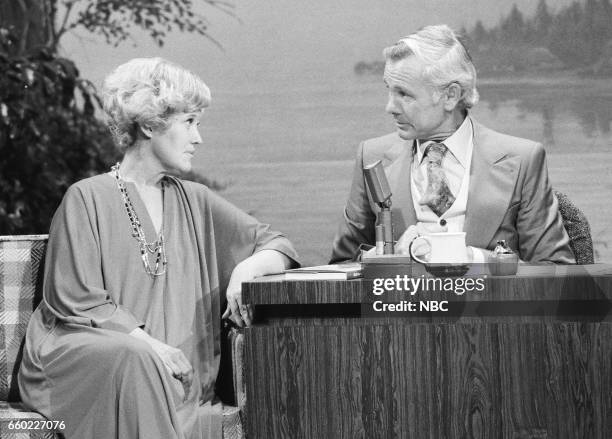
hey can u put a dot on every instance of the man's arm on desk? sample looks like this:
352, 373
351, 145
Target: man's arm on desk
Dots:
357, 224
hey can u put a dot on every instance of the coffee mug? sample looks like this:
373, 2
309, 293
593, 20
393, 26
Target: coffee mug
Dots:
446, 248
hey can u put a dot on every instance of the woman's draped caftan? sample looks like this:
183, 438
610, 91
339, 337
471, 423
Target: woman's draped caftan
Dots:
80, 365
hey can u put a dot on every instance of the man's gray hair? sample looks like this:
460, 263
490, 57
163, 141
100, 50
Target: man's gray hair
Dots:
445, 59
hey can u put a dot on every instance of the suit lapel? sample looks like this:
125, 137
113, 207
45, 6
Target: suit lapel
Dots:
398, 173
493, 175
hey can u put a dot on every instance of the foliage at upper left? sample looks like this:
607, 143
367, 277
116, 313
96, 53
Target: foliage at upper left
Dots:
49, 135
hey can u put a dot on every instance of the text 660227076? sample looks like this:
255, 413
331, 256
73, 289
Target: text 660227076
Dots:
34, 424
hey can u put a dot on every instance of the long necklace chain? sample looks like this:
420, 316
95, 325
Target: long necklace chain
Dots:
157, 247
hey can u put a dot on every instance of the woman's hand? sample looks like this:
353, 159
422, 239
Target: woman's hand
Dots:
259, 264
175, 361
237, 312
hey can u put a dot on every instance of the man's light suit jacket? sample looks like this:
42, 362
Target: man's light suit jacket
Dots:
509, 198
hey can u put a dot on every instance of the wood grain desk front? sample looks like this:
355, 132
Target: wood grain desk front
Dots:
528, 357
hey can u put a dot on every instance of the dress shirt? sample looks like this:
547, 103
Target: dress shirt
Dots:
456, 165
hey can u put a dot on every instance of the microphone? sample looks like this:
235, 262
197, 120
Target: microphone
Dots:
377, 182
379, 189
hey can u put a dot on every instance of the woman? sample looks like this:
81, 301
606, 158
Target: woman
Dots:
125, 343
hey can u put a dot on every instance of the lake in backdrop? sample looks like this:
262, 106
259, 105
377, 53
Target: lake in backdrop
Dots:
285, 151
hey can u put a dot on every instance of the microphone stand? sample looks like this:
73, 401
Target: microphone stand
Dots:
384, 229
380, 192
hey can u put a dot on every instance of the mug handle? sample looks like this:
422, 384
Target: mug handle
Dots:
416, 258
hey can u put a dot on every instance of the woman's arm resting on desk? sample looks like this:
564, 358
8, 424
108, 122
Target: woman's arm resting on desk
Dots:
263, 262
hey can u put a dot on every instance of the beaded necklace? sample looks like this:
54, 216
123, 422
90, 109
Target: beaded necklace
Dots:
157, 247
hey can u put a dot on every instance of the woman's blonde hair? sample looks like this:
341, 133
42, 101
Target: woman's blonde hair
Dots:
147, 92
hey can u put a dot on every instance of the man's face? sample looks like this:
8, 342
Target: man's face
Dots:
416, 106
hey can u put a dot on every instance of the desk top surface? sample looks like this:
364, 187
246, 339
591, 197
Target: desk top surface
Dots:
531, 283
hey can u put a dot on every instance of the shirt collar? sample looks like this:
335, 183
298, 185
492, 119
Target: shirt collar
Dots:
457, 143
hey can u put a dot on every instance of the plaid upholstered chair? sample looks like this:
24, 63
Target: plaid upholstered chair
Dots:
577, 227
21, 264
21, 268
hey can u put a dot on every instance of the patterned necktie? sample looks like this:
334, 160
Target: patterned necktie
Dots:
437, 196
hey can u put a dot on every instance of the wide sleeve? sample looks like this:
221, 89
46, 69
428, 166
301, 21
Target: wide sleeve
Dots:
238, 235
357, 224
542, 236
73, 284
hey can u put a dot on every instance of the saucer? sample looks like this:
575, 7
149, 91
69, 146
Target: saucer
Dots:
447, 270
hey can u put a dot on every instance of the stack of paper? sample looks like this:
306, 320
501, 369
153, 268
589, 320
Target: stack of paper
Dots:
350, 270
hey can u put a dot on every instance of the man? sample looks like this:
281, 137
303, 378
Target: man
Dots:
446, 171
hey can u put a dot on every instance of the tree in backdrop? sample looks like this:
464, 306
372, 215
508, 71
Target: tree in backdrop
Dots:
578, 35
50, 136
542, 23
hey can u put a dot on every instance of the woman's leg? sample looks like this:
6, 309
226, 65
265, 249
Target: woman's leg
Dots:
108, 384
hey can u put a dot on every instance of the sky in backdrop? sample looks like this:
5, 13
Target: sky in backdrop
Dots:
275, 42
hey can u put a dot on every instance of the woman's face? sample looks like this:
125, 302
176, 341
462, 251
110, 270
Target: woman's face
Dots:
174, 147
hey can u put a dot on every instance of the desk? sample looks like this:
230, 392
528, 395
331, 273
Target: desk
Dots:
528, 357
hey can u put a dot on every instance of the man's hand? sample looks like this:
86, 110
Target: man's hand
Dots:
414, 231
